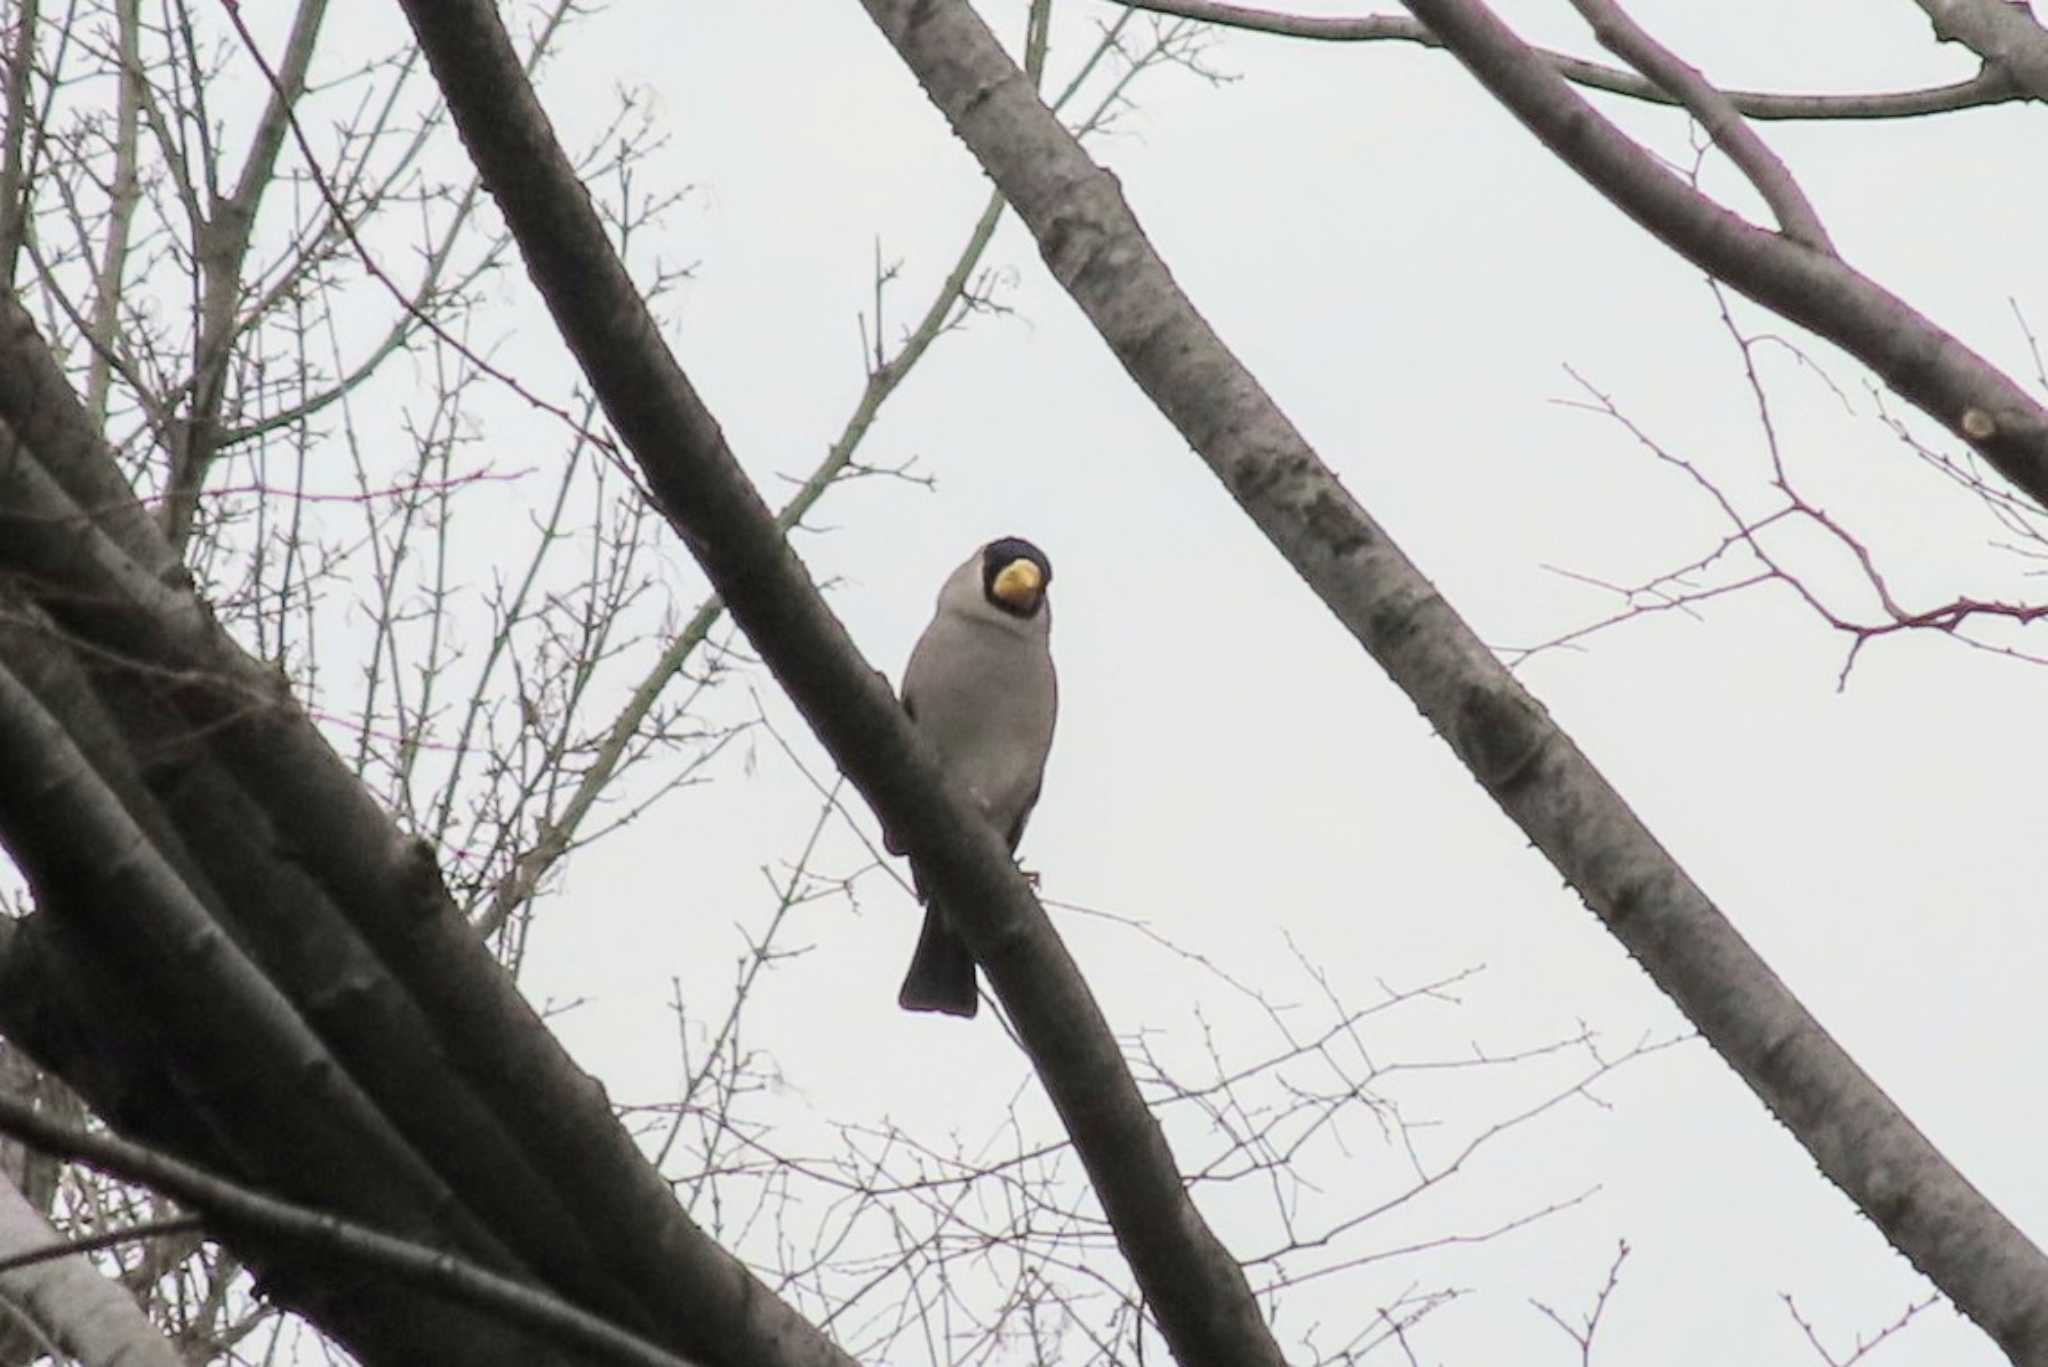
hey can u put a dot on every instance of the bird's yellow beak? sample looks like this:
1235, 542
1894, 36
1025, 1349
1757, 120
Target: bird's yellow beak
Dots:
1018, 583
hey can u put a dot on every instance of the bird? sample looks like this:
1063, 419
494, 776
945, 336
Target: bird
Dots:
980, 686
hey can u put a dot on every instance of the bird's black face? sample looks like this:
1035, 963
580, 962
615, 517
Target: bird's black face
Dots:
1014, 576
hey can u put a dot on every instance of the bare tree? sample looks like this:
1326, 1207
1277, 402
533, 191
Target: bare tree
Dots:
199, 453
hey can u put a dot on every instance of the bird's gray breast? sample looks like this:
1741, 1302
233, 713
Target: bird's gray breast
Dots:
984, 692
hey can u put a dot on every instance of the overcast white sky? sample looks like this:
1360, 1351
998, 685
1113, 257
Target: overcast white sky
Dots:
1409, 274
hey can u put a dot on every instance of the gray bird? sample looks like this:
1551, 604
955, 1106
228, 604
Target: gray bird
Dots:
980, 686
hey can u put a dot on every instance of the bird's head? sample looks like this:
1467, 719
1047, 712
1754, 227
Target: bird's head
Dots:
1014, 576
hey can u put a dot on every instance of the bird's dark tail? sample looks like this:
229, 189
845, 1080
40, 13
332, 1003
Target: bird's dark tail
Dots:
941, 976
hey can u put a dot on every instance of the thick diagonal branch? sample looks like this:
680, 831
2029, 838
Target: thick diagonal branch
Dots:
1093, 244
1626, 39
1929, 368
1191, 1283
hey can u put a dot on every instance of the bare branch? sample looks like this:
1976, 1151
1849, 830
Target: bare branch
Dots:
80, 1314
124, 195
233, 1205
1925, 365
1094, 246
221, 245
2005, 35
885, 371
1989, 86
1679, 589
1864, 1346
1190, 1280
14, 132
1583, 1333
1624, 37
414, 308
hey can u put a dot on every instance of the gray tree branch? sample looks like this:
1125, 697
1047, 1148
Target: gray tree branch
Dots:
14, 137
1192, 1284
230, 1204
221, 244
1093, 245
1989, 86
124, 195
1923, 364
2005, 35
1626, 39
87, 1317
